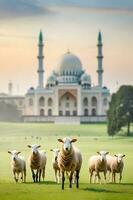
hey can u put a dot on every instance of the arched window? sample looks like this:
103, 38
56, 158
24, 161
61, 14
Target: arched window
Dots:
42, 112
30, 102
60, 113
94, 101
93, 112
67, 113
86, 113
41, 101
85, 101
49, 112
105, 102
75, 113
50, 102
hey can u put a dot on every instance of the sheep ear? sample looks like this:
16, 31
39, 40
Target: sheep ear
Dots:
18, 152
115, 155
38, 146
60, 140
29, 146
123, 155
98, 152
9, 152
107, 153
73, 140
51, 149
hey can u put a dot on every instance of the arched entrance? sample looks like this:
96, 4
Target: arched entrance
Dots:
68, 104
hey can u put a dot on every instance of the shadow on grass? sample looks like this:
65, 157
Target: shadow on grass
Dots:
43, 183
100, 190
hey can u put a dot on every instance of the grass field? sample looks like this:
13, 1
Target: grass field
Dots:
91, 138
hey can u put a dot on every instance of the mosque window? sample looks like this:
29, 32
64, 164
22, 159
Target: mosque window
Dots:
67, 98
67, 113
85, 101
60, 113
93, 112
41, 101
86, 112
50, 102
75, 113
94, 101
49, 112
105, 102
30, 102
42, 113
75, 103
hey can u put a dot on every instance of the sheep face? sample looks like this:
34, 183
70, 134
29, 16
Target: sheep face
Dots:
102, 155
55, 153
67, 143
14, 154
119, 157
34, 148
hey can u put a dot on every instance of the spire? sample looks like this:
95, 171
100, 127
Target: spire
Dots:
40, 61
99, 38
10, 87
100, 59
40, 37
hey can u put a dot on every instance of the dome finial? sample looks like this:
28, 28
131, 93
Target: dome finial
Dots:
68, 51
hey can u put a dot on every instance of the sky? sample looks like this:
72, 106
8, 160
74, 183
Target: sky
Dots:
66, 24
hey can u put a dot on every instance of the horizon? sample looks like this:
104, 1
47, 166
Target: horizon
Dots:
66, 25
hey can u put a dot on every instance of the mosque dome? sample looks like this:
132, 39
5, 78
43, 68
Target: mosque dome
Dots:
85, 79
52, 78
69, 64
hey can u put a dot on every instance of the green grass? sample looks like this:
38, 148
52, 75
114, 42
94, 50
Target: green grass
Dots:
91, 138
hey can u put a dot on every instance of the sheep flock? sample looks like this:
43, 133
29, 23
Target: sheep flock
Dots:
66, 163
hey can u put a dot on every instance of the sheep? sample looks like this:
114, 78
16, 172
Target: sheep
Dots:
37, 161
69, 160
115, 165
97, 164
18, 166
55, 164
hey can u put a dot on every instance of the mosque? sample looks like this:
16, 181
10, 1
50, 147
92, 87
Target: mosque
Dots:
68, 96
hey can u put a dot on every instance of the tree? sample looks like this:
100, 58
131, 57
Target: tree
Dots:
9, 112
120, 113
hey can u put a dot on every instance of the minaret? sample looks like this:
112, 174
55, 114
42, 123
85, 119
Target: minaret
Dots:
40, 61
100, 59
10, 88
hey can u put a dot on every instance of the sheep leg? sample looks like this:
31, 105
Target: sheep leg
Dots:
105, 176
37, 175
99, 178
113, 177
63, 179
91, 174
70, 179
77, 178
22, 177
33, 175
14, 174
59, 176
40, 172
56, 180
25, 175
43, 173
120, 177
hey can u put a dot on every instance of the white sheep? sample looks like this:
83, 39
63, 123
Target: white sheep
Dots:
37, 161
97, 164
69, 160
18, 166
115, 165
55, 164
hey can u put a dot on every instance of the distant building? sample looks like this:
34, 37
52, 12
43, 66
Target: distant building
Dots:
68, 96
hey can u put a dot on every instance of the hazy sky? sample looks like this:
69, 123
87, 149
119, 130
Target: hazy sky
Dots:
66, 24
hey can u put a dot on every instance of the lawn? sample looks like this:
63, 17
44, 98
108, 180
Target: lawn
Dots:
91, 138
